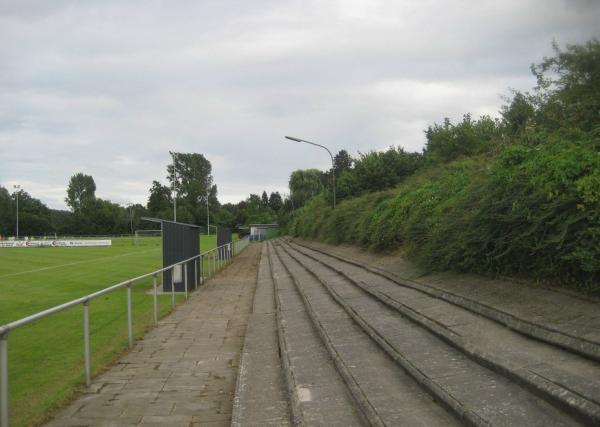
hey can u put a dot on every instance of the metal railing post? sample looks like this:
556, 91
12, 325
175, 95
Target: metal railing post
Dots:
201, 269
185, 279
4, 379
86, 344
155, 300
196, 272
173, 287
129, 317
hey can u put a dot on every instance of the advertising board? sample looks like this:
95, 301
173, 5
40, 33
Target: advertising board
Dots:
52, 243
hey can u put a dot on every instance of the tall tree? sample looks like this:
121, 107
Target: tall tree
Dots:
159, 202
304, 184
342, 161
568, 89
275, 201
82, 189
193, 183
264, 199
7, 213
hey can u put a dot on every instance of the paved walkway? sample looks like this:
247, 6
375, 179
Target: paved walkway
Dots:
184, 371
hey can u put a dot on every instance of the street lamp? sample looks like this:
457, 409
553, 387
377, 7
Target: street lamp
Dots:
330, 155
17, 190
130, 206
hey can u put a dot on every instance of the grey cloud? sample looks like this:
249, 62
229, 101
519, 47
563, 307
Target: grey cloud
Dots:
108, 88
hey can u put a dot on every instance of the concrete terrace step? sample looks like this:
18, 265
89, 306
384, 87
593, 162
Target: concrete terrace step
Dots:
384, 392
565, 320
479, 395
318, 395
261, 398
562, 377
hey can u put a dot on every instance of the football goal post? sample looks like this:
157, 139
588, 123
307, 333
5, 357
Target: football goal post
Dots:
142, 236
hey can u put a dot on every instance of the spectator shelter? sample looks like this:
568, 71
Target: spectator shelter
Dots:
179, 242
263, 231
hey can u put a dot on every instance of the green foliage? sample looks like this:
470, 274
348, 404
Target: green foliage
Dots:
160, 201
375, 171
305, 184
82, 189
275, 201
568, 90
34, 216
193, 184
342, 161
518, 114
378, 170
447, 142
533, 211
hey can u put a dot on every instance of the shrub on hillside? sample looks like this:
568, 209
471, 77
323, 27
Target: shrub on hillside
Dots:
532, 210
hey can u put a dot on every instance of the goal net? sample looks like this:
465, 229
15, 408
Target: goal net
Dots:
143, 237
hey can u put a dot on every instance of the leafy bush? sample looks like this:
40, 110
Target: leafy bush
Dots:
533, 211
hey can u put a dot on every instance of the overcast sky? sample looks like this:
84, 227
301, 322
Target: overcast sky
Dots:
107, 88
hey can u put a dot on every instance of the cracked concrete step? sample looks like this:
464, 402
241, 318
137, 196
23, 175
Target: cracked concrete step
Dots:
385, 393
317, 394
478, 394
562, 377
260, 397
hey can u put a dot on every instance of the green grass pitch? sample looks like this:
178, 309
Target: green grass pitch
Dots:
46, 357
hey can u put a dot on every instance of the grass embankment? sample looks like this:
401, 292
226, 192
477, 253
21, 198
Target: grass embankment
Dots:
46, 357
531, 211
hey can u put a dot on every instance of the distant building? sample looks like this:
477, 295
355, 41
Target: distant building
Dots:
263, 231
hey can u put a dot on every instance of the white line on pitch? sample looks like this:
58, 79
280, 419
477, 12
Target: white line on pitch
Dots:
73, 263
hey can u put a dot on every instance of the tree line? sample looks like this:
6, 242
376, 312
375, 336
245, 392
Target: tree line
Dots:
189, 178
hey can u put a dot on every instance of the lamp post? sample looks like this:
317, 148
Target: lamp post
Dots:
174, 175
330, 155
130, 206
17, 190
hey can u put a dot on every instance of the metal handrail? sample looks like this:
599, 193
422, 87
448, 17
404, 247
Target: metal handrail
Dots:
214, 264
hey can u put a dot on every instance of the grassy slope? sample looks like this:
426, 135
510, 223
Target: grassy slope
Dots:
529, 211
46, 364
